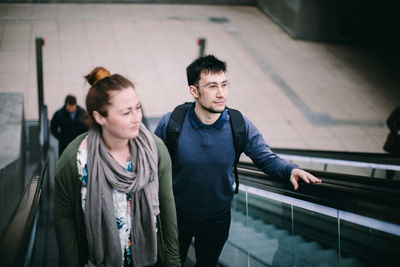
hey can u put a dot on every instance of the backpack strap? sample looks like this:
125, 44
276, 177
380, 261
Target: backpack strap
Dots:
174, 127
238, 127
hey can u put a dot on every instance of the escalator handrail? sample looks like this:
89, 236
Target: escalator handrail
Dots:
17, 237
372, 158
371, 197
348, 180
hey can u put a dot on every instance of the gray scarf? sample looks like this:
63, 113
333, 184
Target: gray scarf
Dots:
104, 174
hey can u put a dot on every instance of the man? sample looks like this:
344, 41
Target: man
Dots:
68, 122
203, 160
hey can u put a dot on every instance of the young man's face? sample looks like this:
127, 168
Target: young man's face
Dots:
211, 92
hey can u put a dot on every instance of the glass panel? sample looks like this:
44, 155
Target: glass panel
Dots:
235, 252
315, 239
263, 238
269, 232
364, 246
269, 224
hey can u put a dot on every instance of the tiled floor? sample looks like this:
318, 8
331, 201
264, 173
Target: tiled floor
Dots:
300, 94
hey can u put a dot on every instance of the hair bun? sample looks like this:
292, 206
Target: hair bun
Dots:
96, 75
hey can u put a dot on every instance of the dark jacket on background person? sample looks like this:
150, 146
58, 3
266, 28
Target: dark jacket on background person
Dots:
392, 144
393, 122
65, 128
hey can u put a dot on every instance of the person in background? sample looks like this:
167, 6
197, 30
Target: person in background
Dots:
392, 144
203, 161
114, 204
68, 122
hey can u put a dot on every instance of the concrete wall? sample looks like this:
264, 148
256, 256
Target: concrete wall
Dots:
12, 154
359, 21
338, 20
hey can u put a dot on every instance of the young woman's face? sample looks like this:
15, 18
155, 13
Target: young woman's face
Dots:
124, 115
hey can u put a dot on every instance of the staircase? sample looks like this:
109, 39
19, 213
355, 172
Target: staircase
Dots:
268, 245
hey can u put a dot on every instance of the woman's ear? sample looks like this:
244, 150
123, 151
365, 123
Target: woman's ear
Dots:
194, 91
98, 117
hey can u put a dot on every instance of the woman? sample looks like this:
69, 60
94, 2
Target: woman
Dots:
113, 202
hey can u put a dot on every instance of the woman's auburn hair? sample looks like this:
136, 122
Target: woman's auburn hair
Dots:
102, 82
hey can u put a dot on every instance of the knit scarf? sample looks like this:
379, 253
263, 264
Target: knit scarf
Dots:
105, 174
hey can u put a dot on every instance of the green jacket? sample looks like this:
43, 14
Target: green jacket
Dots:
69, 218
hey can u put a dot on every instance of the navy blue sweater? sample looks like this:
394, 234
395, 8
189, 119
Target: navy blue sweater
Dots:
202, 169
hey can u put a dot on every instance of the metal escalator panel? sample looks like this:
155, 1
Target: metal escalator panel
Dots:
45, 249
269, 229
28, 239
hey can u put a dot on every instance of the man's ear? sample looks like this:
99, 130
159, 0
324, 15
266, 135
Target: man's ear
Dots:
98, 117
194, 91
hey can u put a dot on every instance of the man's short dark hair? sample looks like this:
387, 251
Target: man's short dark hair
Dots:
206, 64
70, 100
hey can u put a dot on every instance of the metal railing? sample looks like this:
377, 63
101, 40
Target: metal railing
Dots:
17, 242
372, 197
356, 218
372, 162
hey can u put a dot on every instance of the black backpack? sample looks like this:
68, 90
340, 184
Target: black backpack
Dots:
238, 127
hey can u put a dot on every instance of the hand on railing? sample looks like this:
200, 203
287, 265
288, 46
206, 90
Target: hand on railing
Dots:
305, 176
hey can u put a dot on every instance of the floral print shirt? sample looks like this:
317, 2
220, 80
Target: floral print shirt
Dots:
122, 204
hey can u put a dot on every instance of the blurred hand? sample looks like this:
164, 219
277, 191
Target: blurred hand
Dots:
305, 176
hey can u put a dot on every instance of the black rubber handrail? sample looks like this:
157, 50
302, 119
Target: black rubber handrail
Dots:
377, 158
371, 197
16, 243
19, 233
342, 179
